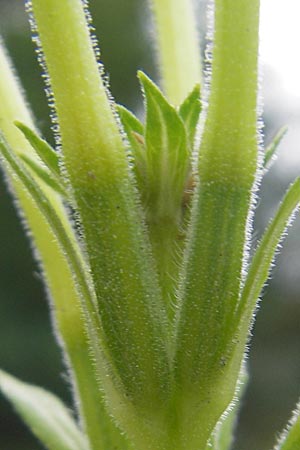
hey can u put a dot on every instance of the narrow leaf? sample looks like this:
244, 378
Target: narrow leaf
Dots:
130, 121
272, 147
134, 130
166, 152
44, 175
189, 111
262, 260
42, 148
290, 438
44, 413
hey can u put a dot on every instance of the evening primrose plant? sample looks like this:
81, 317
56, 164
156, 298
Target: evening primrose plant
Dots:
142, 230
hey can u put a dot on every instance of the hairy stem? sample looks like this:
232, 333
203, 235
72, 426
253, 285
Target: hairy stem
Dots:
178, 47
130, 304
215, 250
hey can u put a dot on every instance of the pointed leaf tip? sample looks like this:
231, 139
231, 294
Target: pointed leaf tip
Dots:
134, 130
273, 146
189, 112
167, 153
41, 147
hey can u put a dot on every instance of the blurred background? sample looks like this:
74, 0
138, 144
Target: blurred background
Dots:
27, 346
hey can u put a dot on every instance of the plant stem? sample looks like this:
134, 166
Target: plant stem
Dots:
130, 304
67, 314
178, 47
167, 244
215, 250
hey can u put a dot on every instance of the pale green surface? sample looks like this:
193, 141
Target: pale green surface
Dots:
44, 413
178, 47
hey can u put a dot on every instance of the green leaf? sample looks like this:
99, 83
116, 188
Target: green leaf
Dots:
44, 413
42, 148
166, 153
290, 438
50, 214
189, 111
134, 130
262, 260
130, 122
272, 147
44, 175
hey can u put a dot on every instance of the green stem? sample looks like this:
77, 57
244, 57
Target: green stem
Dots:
167, 244
179, 48
64, 295
215, 249
130, 304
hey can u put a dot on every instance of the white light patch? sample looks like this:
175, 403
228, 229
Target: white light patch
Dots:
280, 41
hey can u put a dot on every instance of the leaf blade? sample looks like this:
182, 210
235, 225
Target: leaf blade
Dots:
134, 130
42, 148
264, 255
189, 111
44, 413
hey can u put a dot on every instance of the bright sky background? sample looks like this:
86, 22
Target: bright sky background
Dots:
280, 40
280, 57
